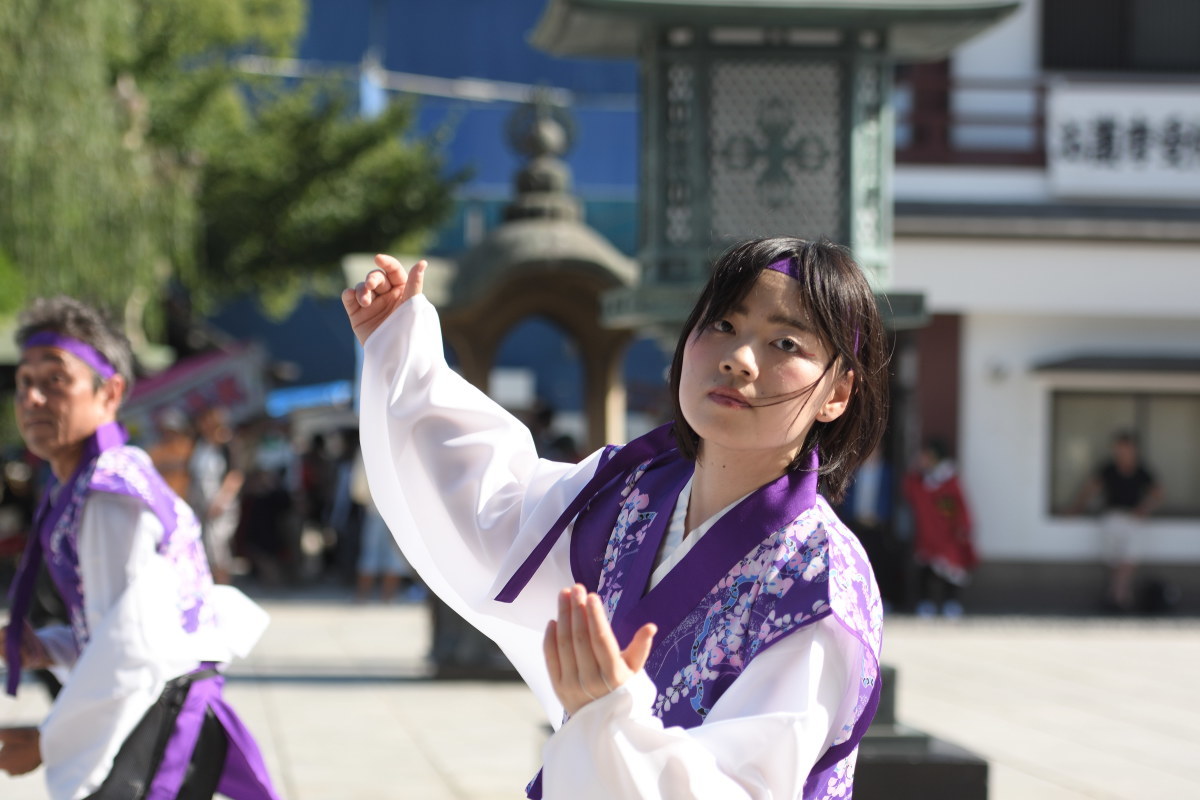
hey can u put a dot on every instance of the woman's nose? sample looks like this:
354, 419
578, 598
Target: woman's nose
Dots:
740, 360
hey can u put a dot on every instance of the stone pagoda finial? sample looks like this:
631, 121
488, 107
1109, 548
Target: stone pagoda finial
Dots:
544, 132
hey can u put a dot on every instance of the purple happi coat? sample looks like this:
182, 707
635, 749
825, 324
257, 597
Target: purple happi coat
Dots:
777, 561
109, 465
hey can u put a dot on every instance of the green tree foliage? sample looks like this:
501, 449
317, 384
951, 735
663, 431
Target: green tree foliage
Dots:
132, 149
304, 182
76, 200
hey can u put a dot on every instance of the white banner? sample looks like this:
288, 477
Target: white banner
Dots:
233, 379
1123, 140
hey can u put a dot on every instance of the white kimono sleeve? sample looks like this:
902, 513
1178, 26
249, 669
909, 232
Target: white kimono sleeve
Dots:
460, 485
135, 645
760, 740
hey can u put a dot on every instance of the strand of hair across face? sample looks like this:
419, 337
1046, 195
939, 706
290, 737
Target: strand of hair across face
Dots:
776, 399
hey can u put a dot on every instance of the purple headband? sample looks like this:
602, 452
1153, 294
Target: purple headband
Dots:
791, 267
80, 349
788, 266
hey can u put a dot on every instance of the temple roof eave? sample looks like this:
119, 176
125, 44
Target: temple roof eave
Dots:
538, 245
916, 29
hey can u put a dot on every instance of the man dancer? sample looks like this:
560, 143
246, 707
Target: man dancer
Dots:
144, 616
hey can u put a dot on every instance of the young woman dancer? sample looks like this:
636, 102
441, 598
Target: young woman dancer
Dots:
689, 600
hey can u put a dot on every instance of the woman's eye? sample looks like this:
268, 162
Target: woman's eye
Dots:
788, 345
722, 326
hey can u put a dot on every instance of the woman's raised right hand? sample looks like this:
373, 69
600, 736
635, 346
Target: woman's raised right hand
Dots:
386, 288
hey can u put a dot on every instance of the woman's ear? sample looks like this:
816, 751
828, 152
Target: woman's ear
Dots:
839, 397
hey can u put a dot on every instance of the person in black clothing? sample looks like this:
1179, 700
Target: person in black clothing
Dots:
1128, 494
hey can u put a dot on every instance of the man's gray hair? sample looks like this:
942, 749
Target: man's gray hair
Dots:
74, 318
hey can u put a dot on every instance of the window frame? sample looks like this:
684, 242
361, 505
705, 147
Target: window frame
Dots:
1142, 392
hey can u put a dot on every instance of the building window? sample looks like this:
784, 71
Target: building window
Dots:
1121, 35
1167, 427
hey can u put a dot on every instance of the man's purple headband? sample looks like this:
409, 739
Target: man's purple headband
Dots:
791, 267
80, 349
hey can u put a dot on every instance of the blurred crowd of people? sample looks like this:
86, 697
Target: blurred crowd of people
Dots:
284, 511
276, 510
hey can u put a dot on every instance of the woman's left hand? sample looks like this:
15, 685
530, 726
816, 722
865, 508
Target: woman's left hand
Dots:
582, 654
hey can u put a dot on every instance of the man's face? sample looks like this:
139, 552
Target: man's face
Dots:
1125, 455
58, 405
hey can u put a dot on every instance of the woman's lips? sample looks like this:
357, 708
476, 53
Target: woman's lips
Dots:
729, 398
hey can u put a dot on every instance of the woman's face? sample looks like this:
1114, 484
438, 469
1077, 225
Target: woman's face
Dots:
753, 382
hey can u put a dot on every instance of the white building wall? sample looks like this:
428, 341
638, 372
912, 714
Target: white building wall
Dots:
1052, 277
1008, 50
941, 183
1025, 302
1006, 428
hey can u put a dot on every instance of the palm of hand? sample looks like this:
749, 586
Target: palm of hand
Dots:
583, 657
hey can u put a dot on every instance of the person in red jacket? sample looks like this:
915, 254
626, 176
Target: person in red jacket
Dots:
943, 549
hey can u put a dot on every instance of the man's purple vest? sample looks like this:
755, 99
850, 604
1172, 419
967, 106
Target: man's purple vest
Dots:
107, 465
777, 561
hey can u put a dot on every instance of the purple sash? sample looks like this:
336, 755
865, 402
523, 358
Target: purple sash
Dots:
244, 777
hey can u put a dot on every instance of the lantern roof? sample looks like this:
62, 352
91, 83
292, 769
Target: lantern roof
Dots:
914, 30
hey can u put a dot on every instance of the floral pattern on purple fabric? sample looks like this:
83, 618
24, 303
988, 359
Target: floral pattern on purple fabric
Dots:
627, 537
839, 779
857, 605
741, 617
128, 471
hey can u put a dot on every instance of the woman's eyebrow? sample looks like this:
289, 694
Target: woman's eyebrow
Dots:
794, 322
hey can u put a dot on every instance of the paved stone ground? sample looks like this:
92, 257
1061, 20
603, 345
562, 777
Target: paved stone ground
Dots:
1062, 709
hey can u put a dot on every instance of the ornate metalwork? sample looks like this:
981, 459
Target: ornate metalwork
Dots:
776, 160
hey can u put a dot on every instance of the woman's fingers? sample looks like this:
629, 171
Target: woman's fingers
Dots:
550, 651
590, 671
350, 300
604, 645
387, 277
616, 665
384, 289
568, 670
390, 272
374, 285
416, 281
638, 652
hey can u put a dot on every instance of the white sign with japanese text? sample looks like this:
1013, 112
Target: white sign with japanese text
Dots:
1123, 140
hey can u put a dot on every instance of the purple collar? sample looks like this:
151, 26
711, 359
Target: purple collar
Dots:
76, 347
